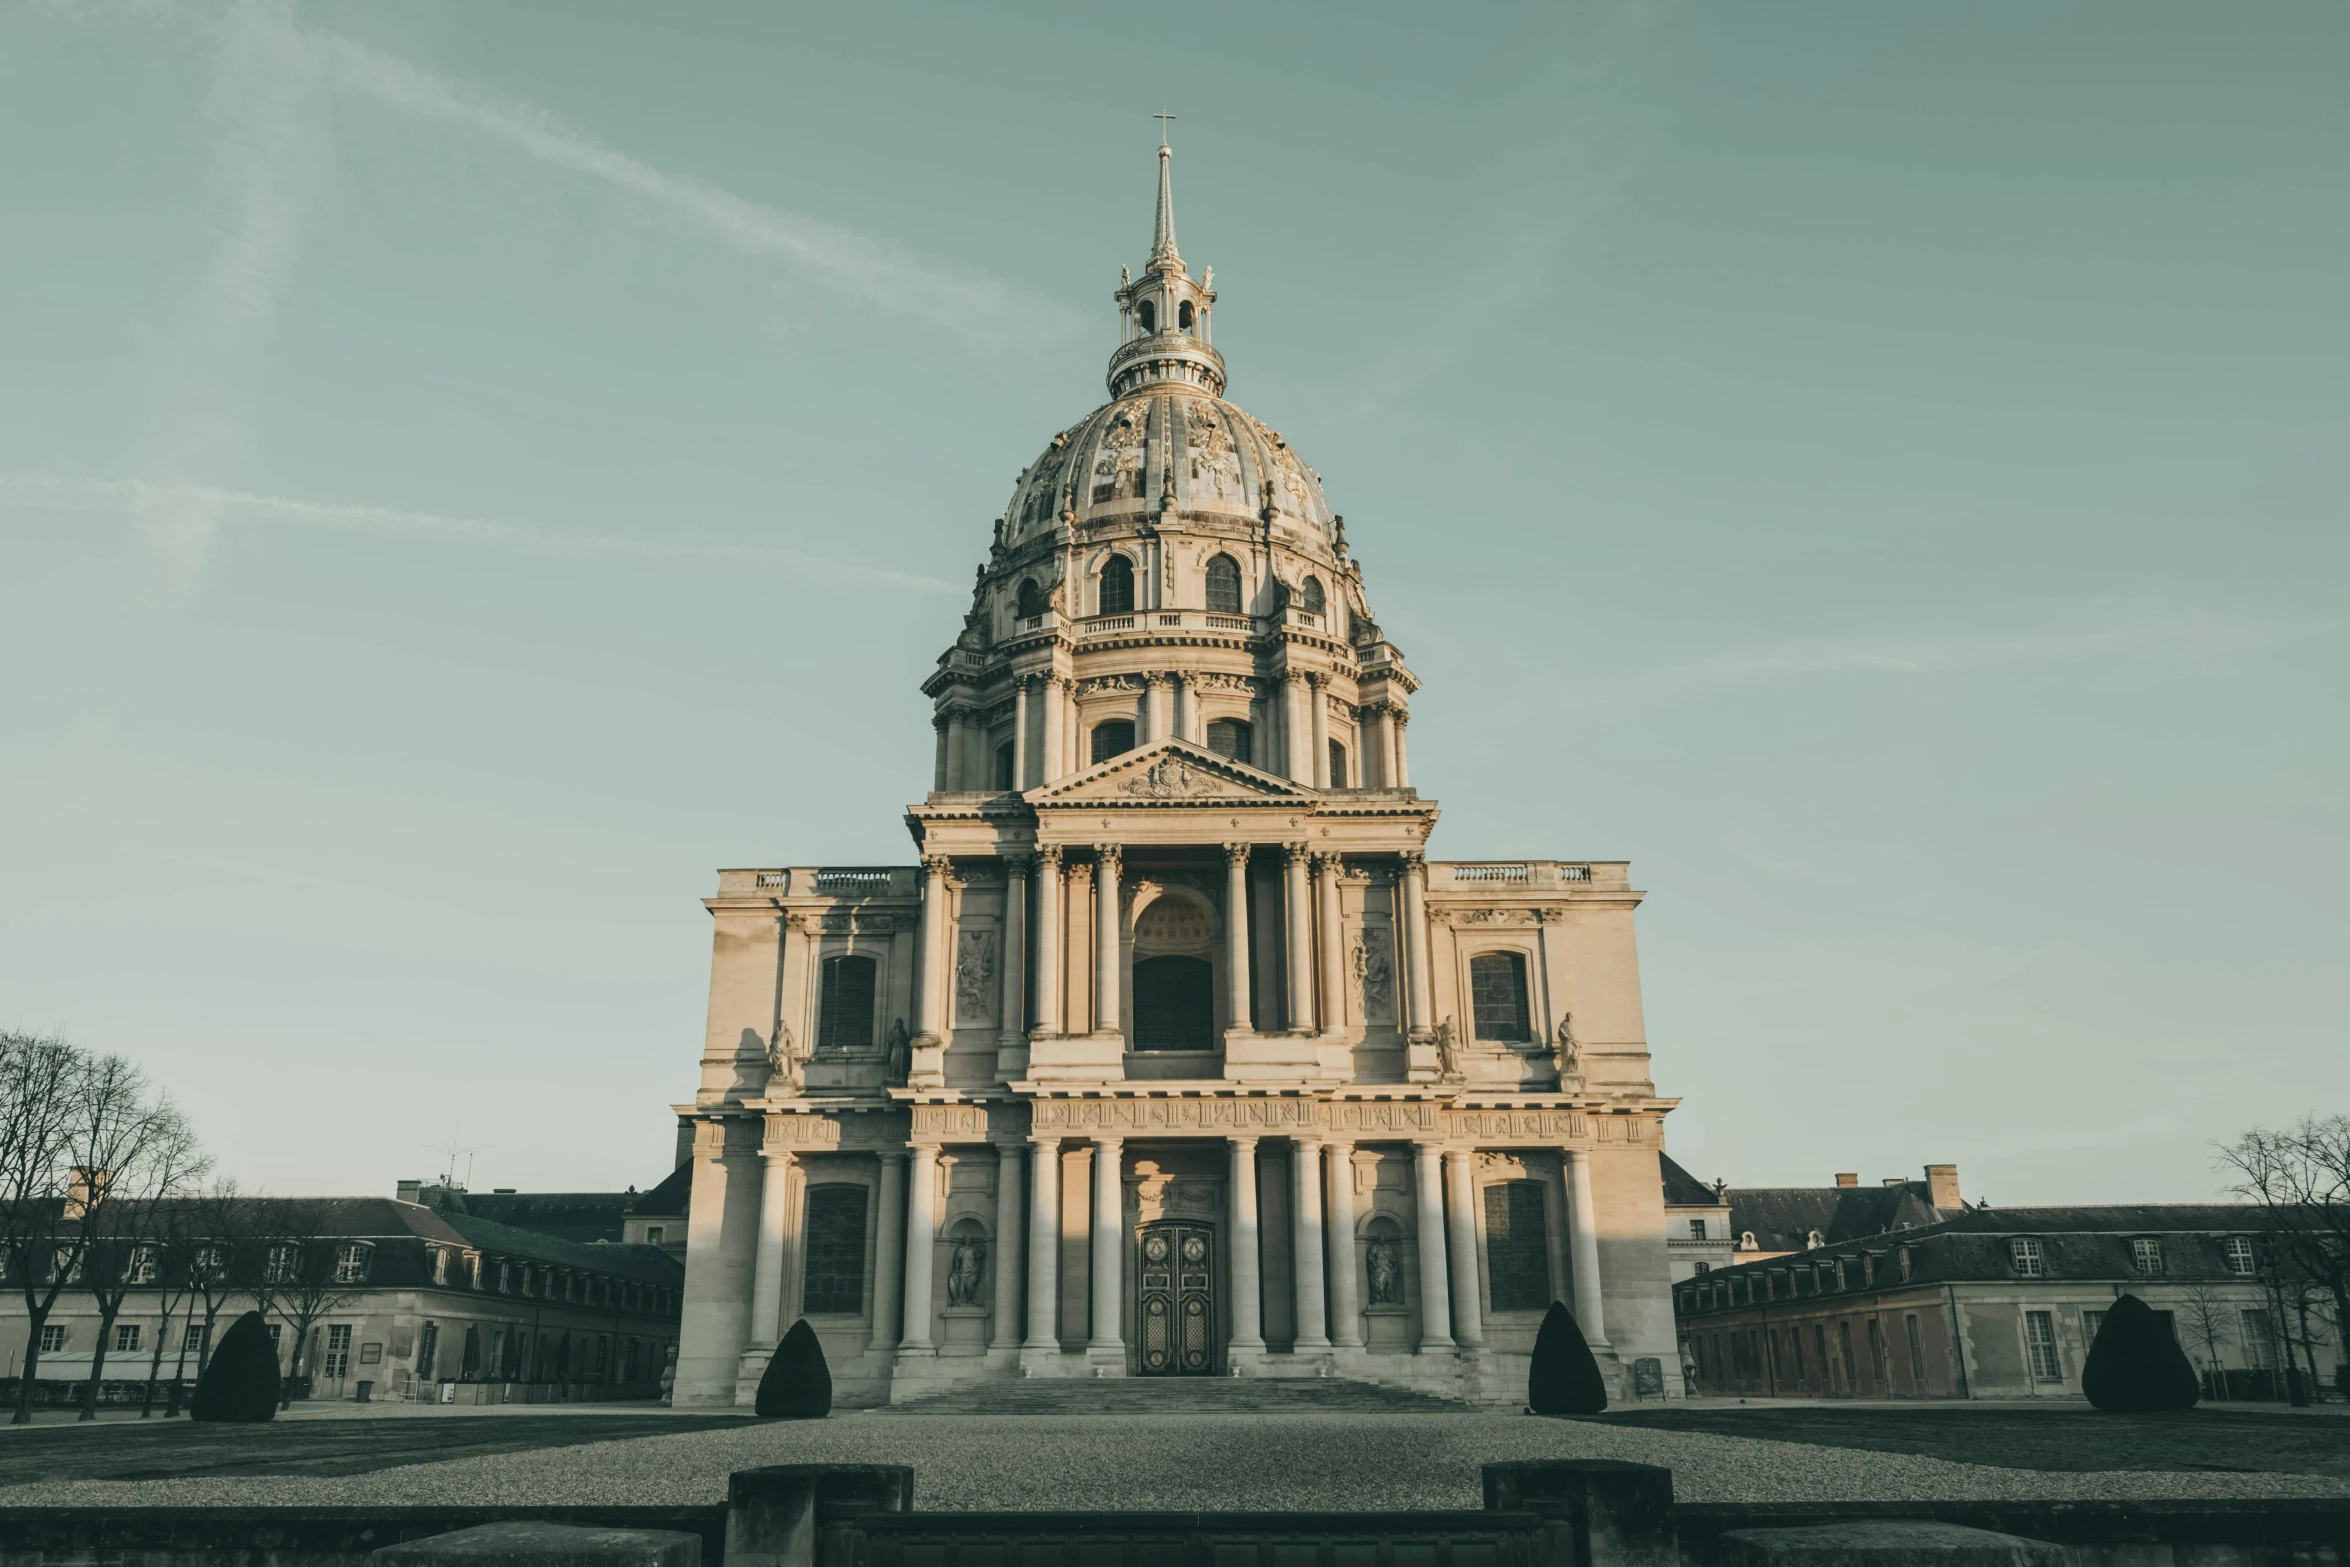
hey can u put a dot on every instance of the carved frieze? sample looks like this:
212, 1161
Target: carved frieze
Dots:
945, 1123
1529, 1125
1135, 1116
1372, 1118
859, 924
1470, 919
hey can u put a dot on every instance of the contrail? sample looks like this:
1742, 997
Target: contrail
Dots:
142, 497
982, 311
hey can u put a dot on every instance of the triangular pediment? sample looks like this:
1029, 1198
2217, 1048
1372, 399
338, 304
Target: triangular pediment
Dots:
1169, 772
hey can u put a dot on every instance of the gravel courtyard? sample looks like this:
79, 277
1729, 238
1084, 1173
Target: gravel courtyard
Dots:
1253, 1461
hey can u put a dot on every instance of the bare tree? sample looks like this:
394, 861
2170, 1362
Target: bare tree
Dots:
223, 1222
132, 1153
2300, 1177
41, 1081
303, 1278
2203, 1317
174, 1292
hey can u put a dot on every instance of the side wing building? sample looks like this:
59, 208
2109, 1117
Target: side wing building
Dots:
1174, 1055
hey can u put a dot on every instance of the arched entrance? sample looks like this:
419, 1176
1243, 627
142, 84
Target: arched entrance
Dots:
1175, 1300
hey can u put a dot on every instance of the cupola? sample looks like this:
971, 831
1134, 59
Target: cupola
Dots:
1164, 315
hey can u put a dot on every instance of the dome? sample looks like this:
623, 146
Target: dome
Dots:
1124, 456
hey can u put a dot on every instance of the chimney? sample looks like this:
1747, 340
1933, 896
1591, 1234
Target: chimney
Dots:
1942, 1186
408, 1191
1895, 1180
86, 1190
1844, 1178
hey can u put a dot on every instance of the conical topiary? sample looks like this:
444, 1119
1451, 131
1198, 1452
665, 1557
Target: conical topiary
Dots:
2135, 1363
798, 1384
1565, 1379
241, 1382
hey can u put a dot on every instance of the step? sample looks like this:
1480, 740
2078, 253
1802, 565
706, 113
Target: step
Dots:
1176, 1395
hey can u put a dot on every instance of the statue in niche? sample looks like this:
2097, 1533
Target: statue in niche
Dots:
1570, 1054
1448, 1051
964, 1270
1374, 971
898, 1054
1383, 1263
783, 1063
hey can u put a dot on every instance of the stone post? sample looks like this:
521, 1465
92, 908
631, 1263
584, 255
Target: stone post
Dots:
1346, 1308
1048, 939
1107, 1012
1298, 915
921, 1247
1415, 935
1468, 1319
767, 1267
1583, 1235
1004, 1331
1020, 750
1333, 944
1044, 1250
1107, 1346
1236, 938
1305, 1161
1321, 729
1248, 1319
889, 1265
1435, 1288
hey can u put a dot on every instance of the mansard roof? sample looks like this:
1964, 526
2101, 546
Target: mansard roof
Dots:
1683, 1190
1784, 1218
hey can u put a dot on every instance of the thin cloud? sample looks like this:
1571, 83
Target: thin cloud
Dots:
142, 497
976, 308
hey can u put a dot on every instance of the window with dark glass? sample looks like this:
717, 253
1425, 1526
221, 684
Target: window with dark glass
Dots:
1497, 993
1337, 766
1032, 601
1003, 766
1310, 595
835, 1283
844, 1004
1174, 1005
1118, 586
1114, 738
1232, 737
1224, 586
1517, 1247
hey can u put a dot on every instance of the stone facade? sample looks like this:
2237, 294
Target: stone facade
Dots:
1174, 1054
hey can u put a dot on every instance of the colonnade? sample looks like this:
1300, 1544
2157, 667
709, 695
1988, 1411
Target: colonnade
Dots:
1168, 704
1324, 1275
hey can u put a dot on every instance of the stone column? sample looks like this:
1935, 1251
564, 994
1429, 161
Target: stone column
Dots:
934, 959
1305, 1242
1156, 704
1435, 1288
1468, 1319
1346, 1307
1020, 733
1298, 915
1189, 723
889, 1262
1415, 935
958, 745
1004, 1331
1583, 1236
1333, 945
1109, 1251
1048, 939
1236, 938
1320, 728
1390, 763
1056, 730
1403, 754
1044, 1248
938, 761
1248, 1317
921, 1246
1012, 973
1107, 1012
767, 1263
1296, 730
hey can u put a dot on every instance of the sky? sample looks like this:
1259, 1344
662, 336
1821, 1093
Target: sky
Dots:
470, 470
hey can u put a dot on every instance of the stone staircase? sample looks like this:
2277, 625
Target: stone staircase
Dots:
1177, 1396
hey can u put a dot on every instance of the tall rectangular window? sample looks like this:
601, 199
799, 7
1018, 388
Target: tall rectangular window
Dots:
1917, 1353
52, 1337
1517, 1246
1697, 1229
338, 1351
1497, 993
1844, 1343
1877, 1349
126, 1337
2259, 1347
2040, 1343
2092, 1324
844, 1004
834, 1280
1338, 765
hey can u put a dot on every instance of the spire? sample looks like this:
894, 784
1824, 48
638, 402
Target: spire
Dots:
1163, 231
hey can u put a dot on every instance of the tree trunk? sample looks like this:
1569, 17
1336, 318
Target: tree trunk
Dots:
155, 1363
98, 1363
37, 1316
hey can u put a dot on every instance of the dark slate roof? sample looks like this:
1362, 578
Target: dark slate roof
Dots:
571, 1216
673, 1197
645, 1264
1683, 1190
1782, 1218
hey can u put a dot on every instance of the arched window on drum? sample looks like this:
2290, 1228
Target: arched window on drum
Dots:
1232, 737
1032, 600
1223, 586
1310, 596
1117, 590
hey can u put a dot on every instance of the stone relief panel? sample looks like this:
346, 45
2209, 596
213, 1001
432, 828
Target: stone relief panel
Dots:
975, 976
1117, 460
1215, 465
1372, 961
1173, 1115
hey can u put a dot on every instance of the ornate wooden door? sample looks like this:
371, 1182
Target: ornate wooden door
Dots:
1176, 1303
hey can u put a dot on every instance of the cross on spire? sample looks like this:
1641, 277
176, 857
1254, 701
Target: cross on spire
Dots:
1162, 117
1163, 231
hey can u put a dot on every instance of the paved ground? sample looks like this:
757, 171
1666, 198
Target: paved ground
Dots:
1328, 1459
2202, 1440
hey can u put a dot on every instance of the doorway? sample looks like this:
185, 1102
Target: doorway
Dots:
1175, 1301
